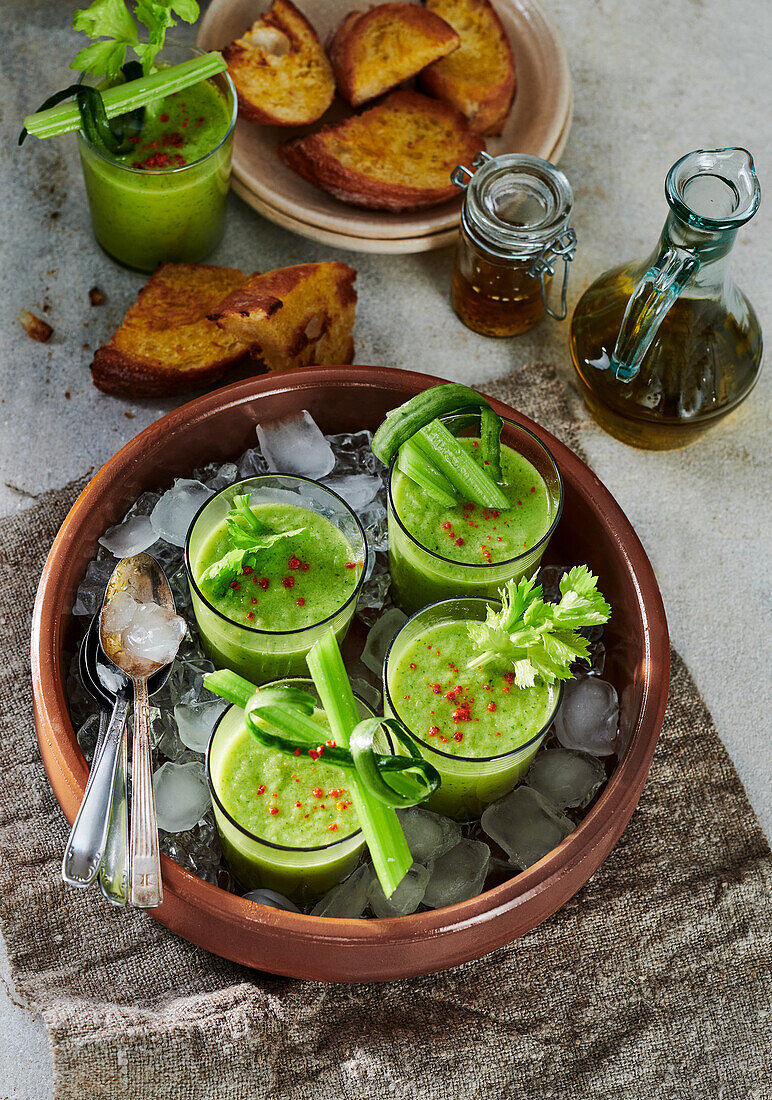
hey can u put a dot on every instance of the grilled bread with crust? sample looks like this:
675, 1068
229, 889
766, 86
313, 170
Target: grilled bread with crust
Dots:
166, 344
397, 155
478, 78
281, 73
372, 51
294, 316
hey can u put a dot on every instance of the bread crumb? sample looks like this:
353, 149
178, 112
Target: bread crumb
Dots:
96, 296
36, 329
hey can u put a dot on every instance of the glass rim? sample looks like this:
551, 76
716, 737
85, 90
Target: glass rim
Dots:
532, 171
508, 561
179, 167
256, 629
674, 184
241, 828
556, 689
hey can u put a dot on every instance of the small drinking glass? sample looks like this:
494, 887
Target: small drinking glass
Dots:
255, 653
469, 784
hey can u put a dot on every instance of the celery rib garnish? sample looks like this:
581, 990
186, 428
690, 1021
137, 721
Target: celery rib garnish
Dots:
412, 463
455, 463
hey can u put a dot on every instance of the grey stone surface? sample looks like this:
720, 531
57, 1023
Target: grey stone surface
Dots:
651, 82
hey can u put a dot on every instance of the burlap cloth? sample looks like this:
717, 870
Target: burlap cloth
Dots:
652, 982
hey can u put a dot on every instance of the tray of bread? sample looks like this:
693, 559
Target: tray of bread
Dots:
350, 121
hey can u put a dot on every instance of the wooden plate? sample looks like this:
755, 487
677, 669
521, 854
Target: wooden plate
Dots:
397, 245
592, 529
535, 124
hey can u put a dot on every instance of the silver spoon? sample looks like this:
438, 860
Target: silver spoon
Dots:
144, 579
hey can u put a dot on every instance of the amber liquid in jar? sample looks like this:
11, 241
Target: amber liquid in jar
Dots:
492, 298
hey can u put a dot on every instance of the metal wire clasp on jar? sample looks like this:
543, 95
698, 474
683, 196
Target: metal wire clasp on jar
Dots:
514, 229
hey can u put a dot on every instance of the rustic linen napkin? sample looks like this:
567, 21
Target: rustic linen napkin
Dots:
651, 982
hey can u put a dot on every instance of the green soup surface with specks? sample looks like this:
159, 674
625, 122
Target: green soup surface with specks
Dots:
297, 582
185, 127
285, 799
474, 712
468, 532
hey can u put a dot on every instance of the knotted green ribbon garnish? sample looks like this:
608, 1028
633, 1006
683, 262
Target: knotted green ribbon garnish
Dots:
113, 137
249, 537
281, 718
540, 640
431, 455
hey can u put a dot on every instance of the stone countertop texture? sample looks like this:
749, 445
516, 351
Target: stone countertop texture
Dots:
651, 82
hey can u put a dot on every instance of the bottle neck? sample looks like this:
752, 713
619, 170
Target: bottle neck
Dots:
711, 248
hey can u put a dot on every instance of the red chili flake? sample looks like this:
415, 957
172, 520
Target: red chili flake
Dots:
498, 734
288, 582
250, 615
444, 740
452, 667
301, 602
340, 806
332, 744
458, 736
533, 488
164, 118
492, 707
436, 689
297, 752
306, 815
298, 804
475, 443
459, 542
411, 665
263, 582
273, 810
253, 599
304, 565
454, 692
487, 687
322, 806
433, 731
247, 569
462, 714
235, 584
495, 514
468, 507
314, 754
506, 689
509, 677
261, 789
317, 792
334, 792
446, 526
333, 828
294, 563
520, 502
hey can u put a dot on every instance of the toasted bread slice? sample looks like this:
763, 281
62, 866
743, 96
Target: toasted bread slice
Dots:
479, 77
294, 316
372, 51
398, 155
165, 344
281, 73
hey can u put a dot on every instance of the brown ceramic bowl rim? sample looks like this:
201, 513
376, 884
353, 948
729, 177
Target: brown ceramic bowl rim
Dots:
500, 757
464, 565
598, 831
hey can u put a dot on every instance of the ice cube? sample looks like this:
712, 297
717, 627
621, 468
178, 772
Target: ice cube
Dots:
349, 898
198, 849
353, 454
153, 633
526, 825
91, 591
588, 717
87, 736
405, 899
272, 899
373, 593
181, 795
566, 779
296, 445
428, 835
119, 612
251, 464
373, 519
195, 722
131, 537
380, 637
367, 692
356, 489
110, 678
222, 476
458, 874
174, 512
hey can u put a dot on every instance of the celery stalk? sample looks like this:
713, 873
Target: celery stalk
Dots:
388, 848
126, 97
413, 465
490, 441
444, 451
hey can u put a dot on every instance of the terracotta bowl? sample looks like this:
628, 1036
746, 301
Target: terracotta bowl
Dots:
593, 529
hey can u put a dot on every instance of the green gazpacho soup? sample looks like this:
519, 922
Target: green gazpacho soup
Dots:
286, 821
298, 582
165, 200
475, 725
482, 548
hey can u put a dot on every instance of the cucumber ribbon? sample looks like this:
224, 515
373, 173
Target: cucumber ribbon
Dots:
281, 718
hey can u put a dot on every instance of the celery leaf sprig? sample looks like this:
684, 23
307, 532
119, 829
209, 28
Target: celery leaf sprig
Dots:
248, 537
540, 640
115, 29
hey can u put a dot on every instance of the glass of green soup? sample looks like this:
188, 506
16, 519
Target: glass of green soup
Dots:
286, 822
165, 200
437, 552
478, 729
265, 622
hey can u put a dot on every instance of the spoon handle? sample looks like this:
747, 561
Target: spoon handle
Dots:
114, 872
145, 859
86, 843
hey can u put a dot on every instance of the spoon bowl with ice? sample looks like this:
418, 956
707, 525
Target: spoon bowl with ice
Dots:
140, 634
